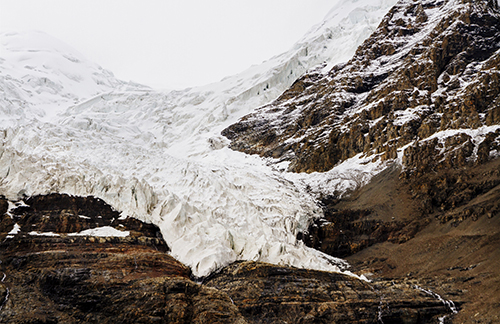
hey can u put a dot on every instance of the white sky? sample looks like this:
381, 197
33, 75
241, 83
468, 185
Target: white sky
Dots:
170, 43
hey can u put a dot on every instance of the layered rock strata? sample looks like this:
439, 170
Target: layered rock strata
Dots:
266, 293
51, 275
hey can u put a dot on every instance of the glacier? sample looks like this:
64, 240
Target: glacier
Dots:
69, 126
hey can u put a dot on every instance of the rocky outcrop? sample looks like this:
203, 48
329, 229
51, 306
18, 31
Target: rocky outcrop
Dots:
50, 275
442, 228
427, 78
266, 293
394, 208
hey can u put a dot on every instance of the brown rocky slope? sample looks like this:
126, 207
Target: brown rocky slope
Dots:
442, 229
427, 77
422, 93
51, 276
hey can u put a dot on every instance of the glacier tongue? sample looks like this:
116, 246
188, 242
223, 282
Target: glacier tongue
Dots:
159, 156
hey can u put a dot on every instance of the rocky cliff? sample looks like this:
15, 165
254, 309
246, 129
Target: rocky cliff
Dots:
59, 266
425, 84
421, 94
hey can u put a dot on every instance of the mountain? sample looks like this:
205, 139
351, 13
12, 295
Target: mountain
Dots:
425, 75
159, 156
410, 127
41, 76
382, 152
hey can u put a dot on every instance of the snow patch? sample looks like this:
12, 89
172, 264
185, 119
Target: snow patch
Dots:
34, 233
104, 231
15, 230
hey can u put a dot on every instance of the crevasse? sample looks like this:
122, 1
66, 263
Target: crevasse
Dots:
71, 127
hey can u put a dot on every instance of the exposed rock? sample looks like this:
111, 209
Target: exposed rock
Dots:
442, 228
266, 293
344, 232
4, 205
431, 66
65, 214
94, 279
53, 277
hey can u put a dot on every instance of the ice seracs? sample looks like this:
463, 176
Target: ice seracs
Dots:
69, 126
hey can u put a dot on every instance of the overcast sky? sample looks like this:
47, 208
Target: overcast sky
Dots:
170, 43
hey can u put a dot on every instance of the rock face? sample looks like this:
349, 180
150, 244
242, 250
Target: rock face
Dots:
95, 279
428, 77
422, 94
442, 229
266, 293
348, 228
52, 276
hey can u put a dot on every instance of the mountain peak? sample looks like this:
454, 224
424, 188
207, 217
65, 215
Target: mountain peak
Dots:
31, 41
45, 76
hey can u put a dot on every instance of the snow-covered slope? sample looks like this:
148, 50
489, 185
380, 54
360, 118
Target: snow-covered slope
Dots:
68, 126
41, 76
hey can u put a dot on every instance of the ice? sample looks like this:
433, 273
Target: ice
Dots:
69, 126
342, 179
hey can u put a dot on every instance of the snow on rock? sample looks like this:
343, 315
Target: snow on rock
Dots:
15, 230
34, 233
68, 126
342, 179
104, 231
394, 92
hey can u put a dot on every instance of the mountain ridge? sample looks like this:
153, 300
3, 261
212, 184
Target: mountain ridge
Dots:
418, 105
349, 109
